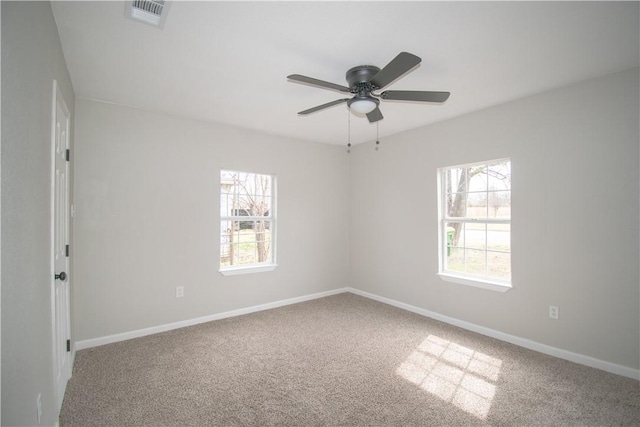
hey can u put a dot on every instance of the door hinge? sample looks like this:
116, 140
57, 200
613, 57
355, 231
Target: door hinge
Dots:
68, 345
66, 250
68, 155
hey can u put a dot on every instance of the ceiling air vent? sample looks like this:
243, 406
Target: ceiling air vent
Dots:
153, 12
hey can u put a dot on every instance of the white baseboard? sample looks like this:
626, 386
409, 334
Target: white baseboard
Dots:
522, 342
94, 342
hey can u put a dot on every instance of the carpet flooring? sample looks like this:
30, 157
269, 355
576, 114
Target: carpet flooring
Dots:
342, 360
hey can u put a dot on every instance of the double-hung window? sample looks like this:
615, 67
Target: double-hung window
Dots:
475, 224
247, 222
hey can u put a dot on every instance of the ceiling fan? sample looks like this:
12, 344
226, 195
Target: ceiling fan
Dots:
365, 80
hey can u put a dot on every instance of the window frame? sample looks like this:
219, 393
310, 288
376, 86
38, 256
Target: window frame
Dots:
479, 281
256, 267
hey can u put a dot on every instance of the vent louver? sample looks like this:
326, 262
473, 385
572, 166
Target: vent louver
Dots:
148, 11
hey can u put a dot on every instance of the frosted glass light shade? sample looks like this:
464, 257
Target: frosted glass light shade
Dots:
363, 106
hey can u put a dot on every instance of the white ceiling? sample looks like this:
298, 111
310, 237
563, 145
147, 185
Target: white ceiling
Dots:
227, 62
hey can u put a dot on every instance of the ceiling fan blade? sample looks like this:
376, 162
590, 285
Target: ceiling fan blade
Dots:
375, 115
323, 106
398, 66
414, 95
319, 83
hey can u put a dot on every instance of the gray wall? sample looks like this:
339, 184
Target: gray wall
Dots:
147, 218
574, 154
31, 59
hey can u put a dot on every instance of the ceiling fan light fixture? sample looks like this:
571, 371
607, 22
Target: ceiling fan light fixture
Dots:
363, 105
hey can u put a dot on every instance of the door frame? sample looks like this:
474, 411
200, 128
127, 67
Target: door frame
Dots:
58, 98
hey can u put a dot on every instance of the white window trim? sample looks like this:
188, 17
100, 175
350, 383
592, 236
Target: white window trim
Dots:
235, 271
262, 267
464, 279
477, 283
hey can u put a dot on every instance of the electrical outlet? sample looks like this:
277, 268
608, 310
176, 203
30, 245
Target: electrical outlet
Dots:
179, 291
553, 312
39, 407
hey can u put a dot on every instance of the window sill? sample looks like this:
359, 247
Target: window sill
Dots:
476, 283
234, 271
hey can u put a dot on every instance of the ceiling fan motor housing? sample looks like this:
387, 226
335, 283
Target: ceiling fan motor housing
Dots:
359, 77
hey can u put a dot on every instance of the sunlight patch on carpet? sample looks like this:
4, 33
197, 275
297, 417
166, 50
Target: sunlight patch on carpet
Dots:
456, 374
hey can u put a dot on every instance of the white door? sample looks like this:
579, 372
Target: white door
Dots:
60, 196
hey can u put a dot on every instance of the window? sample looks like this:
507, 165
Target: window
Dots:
475, 224
247, 222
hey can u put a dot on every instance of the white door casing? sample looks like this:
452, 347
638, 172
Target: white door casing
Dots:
61, 331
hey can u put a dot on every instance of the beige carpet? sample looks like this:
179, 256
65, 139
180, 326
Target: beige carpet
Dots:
337, 361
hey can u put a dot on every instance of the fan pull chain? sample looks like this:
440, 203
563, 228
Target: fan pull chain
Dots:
348, 131
377, 135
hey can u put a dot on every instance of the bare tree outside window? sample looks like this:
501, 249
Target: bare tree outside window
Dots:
465, 184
